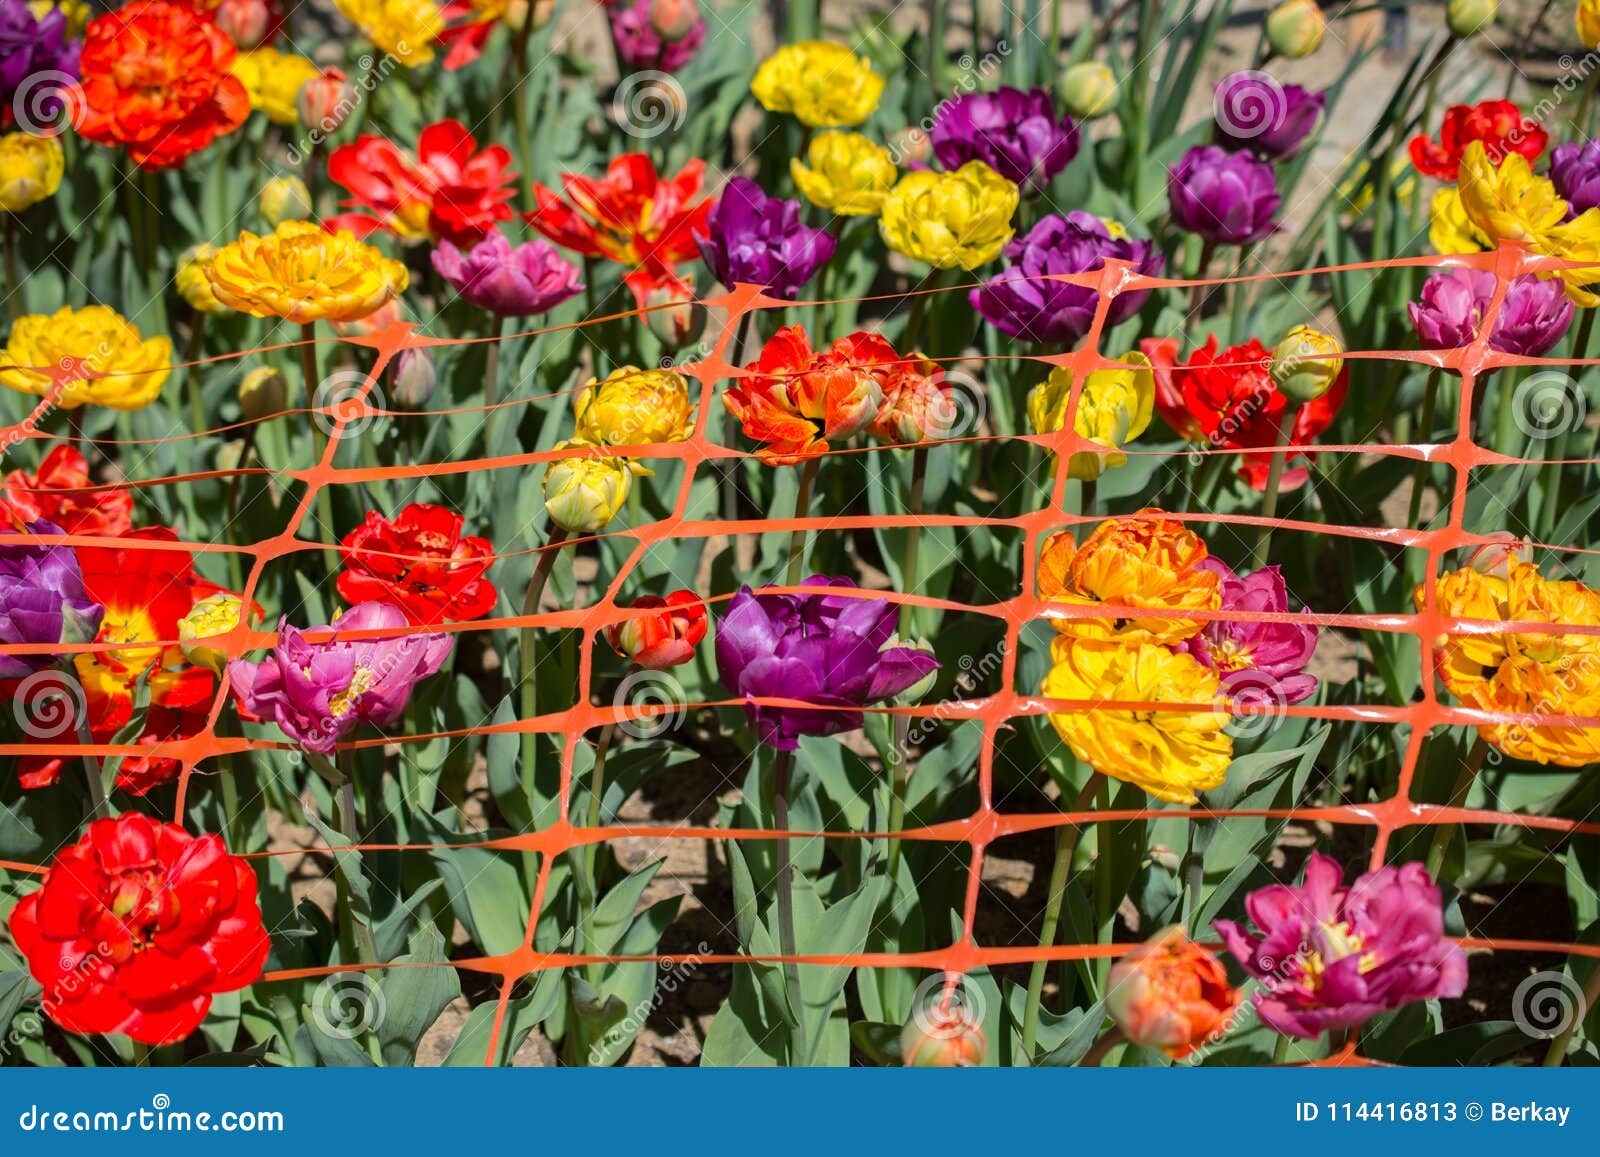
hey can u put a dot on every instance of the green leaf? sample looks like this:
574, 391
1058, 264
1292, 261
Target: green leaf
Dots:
414, 992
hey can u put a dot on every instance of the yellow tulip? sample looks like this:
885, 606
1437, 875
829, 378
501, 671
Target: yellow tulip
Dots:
1450, 230
212, 616
104, 342
1509, 202
191, 281
304, 274
405, 29
1129, 562
284, 199
633, 407
823, 84
1588, 20
950, 219
1113, 410
582, 495
273, 79
846, 174
1523, 673
1171, 755
30, 170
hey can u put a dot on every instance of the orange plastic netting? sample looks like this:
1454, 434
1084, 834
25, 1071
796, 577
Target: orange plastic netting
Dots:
987, 824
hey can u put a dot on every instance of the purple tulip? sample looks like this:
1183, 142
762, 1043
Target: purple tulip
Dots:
1533, 317
318, 692
1020, 302
510, 282
1330, 957
1015, 133
1575, 171
32, 47
823, 649
640, 43
42, 600
1226, 198
1256, 113
1260, 663
755, 238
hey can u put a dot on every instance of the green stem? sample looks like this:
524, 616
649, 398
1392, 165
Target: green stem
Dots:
898, 769
194, 380
1269, 500
525, 652
319, 436
1067, 837
1280, 1050
16, 287
1419, 475
1458, 796
491, 381
799, 1045
93, 771
802, 503
1557, 1052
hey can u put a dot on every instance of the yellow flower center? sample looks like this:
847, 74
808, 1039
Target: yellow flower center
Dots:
359, 683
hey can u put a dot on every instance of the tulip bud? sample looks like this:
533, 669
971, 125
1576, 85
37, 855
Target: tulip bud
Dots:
414, 378
672, 20
1170, 994
263, 393
1089, 90
1295, 27
944, 1035
325, 102
247, 22
285, 199
914, 693
681, 322
212, 616
30, 170
656, 642
1467, 18
582, 495
1306, 364
1495, 558
193, 283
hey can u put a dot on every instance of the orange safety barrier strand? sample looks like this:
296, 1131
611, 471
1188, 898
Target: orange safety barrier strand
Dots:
986, 824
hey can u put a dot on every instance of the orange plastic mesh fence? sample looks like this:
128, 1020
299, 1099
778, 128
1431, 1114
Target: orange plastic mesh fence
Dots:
987, 824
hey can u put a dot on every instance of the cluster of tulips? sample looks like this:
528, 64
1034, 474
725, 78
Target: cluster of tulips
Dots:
858, 315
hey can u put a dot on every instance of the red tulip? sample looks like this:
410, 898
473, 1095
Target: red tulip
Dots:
59, 493
137, 926
447, 192
1227, 399
664, 640
421, 563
